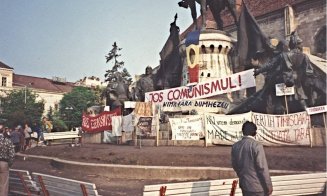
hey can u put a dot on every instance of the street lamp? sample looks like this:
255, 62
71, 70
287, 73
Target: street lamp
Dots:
69, 109
25, 89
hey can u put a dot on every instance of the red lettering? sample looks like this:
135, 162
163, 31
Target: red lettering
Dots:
230, 83
184, 93
156, 97
300, 134
197, 91
222, 84
176, 94
206, 88
214, 86
170, 96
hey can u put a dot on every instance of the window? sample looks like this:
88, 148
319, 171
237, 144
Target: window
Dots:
192, 55
289, 20
4, 81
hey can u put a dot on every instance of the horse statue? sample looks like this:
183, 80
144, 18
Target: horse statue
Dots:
216, 6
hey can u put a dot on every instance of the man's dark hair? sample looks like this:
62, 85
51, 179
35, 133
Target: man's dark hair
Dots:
249, 128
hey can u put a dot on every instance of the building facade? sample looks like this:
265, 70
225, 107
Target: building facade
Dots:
51, 91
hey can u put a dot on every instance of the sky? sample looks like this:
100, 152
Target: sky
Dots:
70, 38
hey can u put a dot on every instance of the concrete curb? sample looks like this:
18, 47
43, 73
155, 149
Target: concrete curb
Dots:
148, 172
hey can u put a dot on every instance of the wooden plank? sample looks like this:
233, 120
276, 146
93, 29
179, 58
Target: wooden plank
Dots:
50, 178
61, 137
223, 187
298, 184
50, 135
17, 192
76, 188
69, 190
15, 180
190, 184
299, 176
61, 133
60, 185
210, 193
298, 187
311, 191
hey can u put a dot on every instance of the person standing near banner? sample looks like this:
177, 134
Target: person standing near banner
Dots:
250, 164
7, 154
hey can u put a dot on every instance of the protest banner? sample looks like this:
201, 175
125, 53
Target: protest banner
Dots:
99, 122
144, 124
201, 106
282, 90
225, 129
234, 82
317, 109
187, 128
289, 129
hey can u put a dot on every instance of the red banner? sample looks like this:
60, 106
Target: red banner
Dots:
100, 122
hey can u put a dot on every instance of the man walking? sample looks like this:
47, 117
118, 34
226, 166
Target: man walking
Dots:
250, 164
7, 154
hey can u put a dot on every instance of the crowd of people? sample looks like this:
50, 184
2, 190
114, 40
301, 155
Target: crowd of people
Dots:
22, 137
16, 139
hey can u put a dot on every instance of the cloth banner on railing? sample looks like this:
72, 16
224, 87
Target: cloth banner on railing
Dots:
224, 129
187, 128
116, 122
128, 126
100, 122
288, 129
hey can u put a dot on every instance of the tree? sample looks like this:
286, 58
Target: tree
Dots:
73, 104
99, 92
117, 68
20, 106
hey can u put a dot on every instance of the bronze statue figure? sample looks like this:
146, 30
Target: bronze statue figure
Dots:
117, 92
144, 84
292, 68
216, 6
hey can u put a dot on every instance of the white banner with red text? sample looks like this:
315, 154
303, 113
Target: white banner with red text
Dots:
289, 129
187, 128
235, 82
224, 129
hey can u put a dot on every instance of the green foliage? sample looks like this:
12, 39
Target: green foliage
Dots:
58, 123
73, 104
99, 93
16, 111
117, 68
